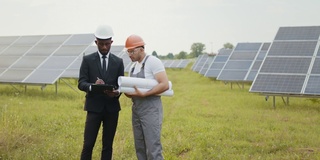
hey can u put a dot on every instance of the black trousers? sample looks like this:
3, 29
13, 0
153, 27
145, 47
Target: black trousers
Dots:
93, 122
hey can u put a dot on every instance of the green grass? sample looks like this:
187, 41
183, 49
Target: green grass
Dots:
205, 119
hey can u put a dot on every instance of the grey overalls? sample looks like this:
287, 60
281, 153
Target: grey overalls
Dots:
146, 122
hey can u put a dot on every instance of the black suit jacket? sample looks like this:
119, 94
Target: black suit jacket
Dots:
89, 71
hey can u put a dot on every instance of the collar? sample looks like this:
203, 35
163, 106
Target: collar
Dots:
107, 56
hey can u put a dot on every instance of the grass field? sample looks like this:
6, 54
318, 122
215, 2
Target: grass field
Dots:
205, 119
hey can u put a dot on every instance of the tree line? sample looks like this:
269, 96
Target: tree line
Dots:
196, 50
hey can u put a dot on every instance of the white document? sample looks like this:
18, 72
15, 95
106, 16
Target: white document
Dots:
131, 89
126, 85
139, 82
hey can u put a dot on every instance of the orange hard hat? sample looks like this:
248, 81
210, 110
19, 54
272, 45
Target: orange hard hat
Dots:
134, 41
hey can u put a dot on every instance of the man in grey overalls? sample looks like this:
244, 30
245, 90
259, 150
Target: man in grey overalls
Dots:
147, 110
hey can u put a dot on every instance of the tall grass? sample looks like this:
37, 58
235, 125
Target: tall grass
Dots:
205, 119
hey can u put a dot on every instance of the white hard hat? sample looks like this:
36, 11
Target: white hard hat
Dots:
104, 32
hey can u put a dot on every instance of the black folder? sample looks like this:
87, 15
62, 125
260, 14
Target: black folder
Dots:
100, 88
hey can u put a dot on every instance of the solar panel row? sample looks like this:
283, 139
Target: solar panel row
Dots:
290, 65
39, 59
179, 63
43, 59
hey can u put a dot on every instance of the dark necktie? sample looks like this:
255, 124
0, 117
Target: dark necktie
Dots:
104, 70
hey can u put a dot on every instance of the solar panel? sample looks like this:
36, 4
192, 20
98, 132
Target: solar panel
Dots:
316, 66
58, 62
7, 61
39, 59
184, 63
241, 61
313, 85
298, 33
168, 63
53, 40
80, 39
257, 62
164, 62
73, 70
44, 76
196, 62
206, 65
218, 63
200, 62
90, 50
8, 39
291, 66
70, 50
3, 47
286, 65
176, 63
28, 62
1, 70
15, 50
15, 75
118, 50
292, 48
41, 50
28, 40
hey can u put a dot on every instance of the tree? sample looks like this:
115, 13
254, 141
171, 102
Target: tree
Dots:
182, 55
154, 53
170, 56
197, 49
228, 45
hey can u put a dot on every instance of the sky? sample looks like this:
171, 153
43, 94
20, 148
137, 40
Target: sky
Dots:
167, 26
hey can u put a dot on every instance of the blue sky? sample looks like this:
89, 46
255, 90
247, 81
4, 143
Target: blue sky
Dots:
167, 26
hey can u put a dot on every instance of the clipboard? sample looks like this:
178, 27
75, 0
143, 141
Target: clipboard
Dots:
100, 88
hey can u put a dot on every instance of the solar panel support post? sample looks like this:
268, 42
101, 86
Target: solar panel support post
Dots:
274, 102
240, 86
15, 88
43, 87
286, 102
69, 85
56, 85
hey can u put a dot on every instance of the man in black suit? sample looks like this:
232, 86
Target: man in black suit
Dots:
101, 67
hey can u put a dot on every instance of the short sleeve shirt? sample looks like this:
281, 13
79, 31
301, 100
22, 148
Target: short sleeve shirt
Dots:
152, 66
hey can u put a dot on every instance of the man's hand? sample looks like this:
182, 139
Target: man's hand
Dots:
99, 81
137, 93
113, 93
